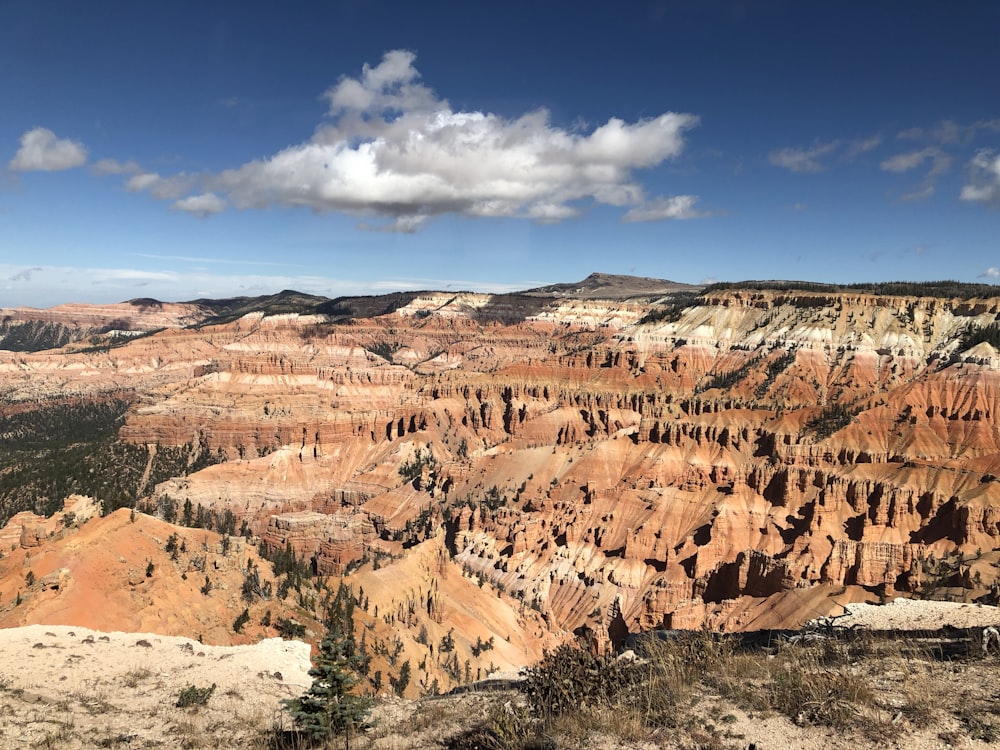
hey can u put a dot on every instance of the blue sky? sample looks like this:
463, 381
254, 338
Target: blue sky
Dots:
179, 150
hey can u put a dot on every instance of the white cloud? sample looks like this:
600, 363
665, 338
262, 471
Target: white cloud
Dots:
142, 181
984, 184
675, 207
803, 159
206, 204
910, 160
815, 158
905, 162
861, 146
161, 188
111, 166
209, 261
393, 150
42, 151
940, 161
978, 193
949, 132
990, 273
920, 192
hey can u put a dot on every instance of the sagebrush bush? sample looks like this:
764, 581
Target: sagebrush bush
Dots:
194, 696
570, 679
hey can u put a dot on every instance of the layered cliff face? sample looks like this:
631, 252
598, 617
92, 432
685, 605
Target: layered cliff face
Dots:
30, 329
729, 459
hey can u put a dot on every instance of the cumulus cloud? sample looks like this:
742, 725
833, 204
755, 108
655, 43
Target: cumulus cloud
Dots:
202, 205
393, 150
42, 151
675, 207
990, 273
803, 159
984, 179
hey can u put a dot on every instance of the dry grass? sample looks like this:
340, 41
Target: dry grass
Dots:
683, 693
136, 676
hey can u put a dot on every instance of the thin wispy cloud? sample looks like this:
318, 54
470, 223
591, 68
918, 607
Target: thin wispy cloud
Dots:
114, 167
822, 154
213, 261
678, 207
861, 146
809, 160
42, 151
938, 160
910, 160
950, 133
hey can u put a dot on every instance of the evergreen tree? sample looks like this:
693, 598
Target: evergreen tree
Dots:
328, 708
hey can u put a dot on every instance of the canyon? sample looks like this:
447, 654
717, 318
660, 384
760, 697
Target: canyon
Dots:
502, 472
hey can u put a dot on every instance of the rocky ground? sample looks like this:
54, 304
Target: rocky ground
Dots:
70, 687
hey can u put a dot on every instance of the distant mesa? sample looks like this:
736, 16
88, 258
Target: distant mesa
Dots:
145, 302
613, 286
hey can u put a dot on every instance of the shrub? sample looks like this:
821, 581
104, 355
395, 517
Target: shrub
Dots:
399, 684
194, 696
832, 419
411, 470
570, 678
978, 334
288, 629
242, 620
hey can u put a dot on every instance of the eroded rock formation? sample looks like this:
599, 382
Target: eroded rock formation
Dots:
697, 467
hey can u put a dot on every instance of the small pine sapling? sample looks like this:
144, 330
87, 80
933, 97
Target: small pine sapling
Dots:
328, 708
